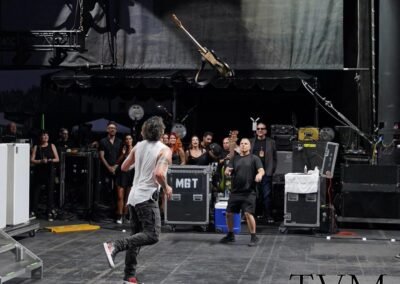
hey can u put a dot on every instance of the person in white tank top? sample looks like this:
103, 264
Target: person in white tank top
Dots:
151, 159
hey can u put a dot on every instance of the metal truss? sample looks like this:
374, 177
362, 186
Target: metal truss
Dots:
42, 40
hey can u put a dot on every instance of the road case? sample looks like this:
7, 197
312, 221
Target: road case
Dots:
190, 200
302, 200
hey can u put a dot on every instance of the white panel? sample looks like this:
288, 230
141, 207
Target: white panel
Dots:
3, 185
18, 183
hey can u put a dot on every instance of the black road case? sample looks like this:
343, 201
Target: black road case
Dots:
190, 200
303, 209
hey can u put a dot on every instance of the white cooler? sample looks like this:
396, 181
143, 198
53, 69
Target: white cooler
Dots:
3, 184
18, 183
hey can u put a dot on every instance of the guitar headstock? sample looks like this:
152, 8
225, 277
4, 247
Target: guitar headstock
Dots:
176, 20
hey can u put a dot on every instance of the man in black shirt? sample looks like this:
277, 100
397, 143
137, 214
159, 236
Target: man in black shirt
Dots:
264, 147
246, 169
109, 148
63, 143
10, 135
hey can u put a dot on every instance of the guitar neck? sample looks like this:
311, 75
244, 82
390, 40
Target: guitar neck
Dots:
232, 142
201, 48
179, 24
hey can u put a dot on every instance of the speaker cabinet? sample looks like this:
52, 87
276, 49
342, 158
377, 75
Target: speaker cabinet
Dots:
76, 180
370, 194
307, 153
284, 165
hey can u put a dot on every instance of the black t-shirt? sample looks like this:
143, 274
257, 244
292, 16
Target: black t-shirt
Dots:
245, 169
259, 149
111, 151
176, 159
62, 145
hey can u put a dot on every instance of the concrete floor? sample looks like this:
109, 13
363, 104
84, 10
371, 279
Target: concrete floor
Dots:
187, 256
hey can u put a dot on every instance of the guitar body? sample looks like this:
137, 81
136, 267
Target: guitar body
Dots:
221, 67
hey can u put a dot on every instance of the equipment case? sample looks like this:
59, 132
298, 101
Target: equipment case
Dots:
190, 201
303, 209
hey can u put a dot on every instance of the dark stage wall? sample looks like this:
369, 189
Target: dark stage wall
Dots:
247, 34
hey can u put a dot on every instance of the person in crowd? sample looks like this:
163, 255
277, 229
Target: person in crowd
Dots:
10, 134
165, 139
225, 149
124, 179
194, 154
264, 147
44, 156
206, 144
207, 140
109, 149
219, 178
151, 159
246, 169
178, 154
64, 142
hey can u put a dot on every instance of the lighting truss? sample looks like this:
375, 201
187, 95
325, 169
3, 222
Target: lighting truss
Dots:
42, 40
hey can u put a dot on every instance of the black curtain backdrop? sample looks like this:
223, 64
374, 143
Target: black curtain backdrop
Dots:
247, 34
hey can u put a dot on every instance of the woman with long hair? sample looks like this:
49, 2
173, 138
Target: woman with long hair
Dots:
44, 156
124, 179
195, 155
178, 155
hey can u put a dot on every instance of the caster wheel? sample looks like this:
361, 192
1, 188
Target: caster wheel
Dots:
283, 230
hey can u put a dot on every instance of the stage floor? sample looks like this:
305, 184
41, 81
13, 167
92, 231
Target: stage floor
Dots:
188, 256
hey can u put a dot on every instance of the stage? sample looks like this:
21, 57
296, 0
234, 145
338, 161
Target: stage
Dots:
188, 256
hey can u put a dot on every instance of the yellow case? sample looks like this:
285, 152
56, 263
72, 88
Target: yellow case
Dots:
308, 134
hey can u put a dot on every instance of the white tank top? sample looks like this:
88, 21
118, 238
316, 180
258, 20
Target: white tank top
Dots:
144, 182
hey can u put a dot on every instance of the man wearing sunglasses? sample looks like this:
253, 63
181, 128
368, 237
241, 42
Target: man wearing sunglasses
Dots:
264, 147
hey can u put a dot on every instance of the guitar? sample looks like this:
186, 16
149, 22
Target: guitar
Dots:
222, 68
226, 182
233, 137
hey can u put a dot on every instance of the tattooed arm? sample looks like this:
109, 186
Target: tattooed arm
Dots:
160, 172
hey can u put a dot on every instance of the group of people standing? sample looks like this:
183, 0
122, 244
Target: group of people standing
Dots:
151, 158
137, 170
197, 153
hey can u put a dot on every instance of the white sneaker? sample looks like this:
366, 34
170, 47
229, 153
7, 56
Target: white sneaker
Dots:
120, 221
110, 253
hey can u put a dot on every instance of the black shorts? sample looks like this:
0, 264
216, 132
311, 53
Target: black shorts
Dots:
242, 201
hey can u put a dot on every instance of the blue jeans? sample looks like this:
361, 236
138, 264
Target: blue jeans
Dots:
266, 189
146, 227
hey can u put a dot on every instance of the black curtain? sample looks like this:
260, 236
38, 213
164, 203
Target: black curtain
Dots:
247, 34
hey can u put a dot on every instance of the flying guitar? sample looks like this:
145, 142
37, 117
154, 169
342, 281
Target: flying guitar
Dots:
222, 68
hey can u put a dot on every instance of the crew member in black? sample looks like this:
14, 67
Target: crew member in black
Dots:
63, 143
264, 147
109, 149
206, 144
10, 134
44, 156
246, 169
